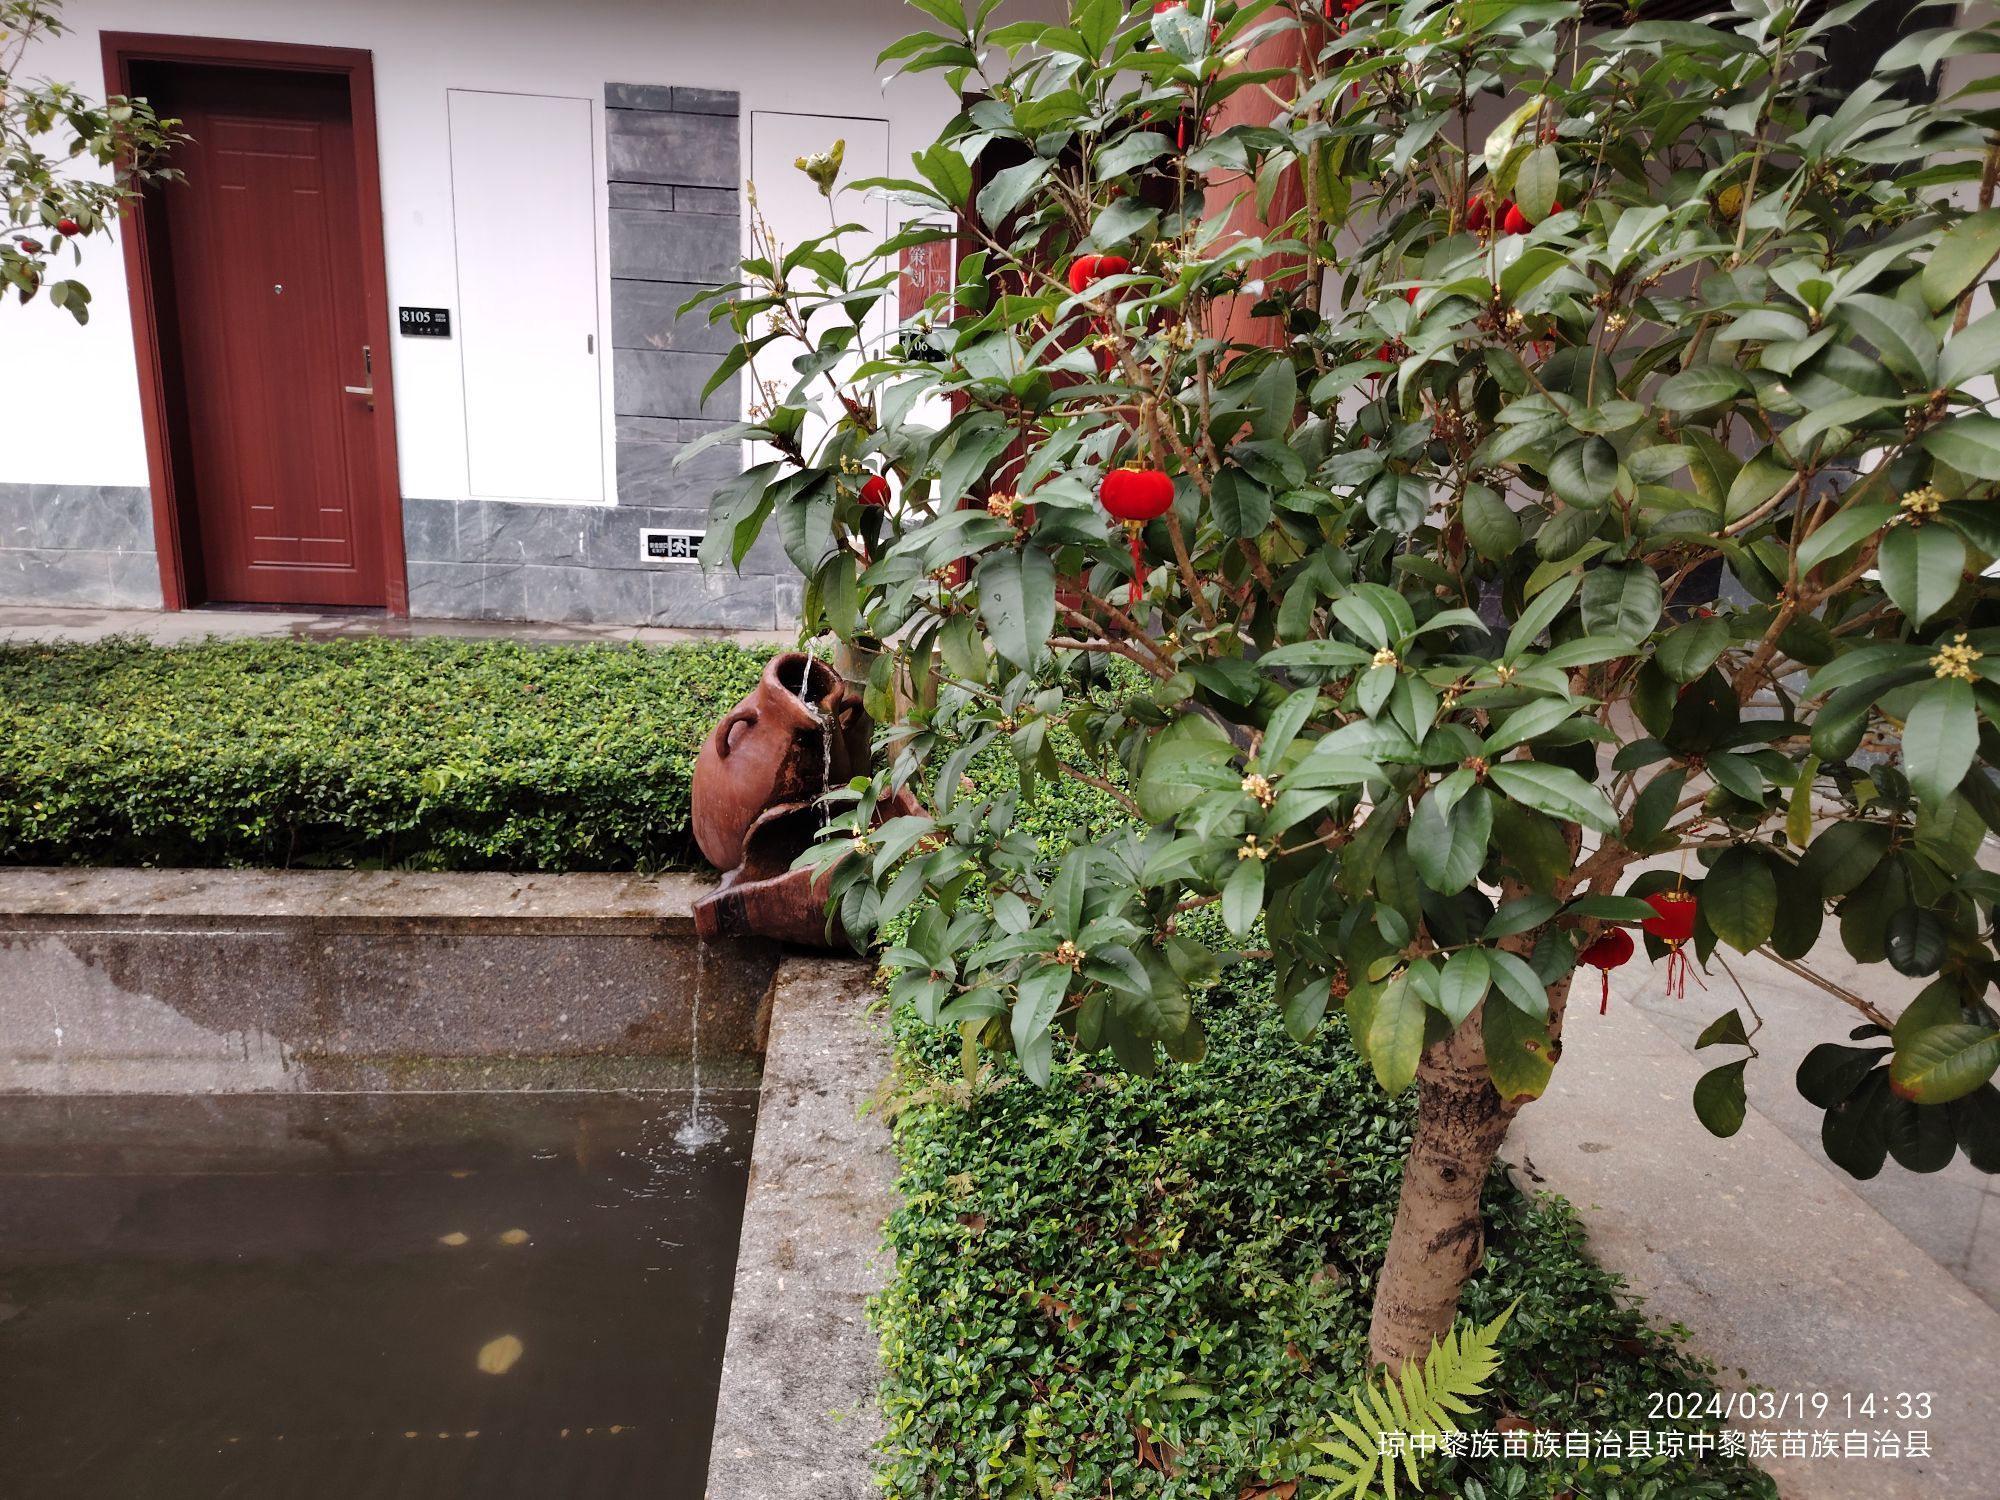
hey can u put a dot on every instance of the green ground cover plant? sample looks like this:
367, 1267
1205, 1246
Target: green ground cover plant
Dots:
1169, 1294
437, 753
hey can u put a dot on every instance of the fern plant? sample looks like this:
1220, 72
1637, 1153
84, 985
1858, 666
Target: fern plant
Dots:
1420, 1405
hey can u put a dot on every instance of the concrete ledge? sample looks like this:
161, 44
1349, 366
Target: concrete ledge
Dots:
796, 1418
662, 903
174, 981
1790, 1281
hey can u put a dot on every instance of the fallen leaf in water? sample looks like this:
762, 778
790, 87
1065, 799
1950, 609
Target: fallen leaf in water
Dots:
456, 1238
514, 1237
498, 1357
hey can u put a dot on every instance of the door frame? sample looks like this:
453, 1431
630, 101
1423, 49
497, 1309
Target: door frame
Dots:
121, 50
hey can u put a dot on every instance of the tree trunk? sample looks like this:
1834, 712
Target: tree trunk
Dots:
1439, 1238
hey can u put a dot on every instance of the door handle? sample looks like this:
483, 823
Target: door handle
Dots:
359, 390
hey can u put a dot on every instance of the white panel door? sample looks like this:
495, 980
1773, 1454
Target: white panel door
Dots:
793, 207
524, 206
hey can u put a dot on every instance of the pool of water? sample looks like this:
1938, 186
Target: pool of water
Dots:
366, 1296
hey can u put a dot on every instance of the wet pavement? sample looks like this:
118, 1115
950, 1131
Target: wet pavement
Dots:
442, 1295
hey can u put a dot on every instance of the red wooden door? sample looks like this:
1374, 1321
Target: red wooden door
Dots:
268, 305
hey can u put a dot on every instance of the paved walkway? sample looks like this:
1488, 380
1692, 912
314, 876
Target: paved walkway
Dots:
1793, 1277
28, 622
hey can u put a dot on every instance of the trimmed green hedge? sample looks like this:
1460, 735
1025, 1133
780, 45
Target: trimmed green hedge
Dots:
1190, 1258
429, 753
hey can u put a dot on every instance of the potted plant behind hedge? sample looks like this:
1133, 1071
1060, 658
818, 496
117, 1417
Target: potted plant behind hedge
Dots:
1419, 680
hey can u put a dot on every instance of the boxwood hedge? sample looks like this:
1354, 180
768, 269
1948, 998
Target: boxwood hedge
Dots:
438, 753
1123, 1287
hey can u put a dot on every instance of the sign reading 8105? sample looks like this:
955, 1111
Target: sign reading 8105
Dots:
424, 322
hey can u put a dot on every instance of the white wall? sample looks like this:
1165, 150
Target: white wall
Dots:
803, 56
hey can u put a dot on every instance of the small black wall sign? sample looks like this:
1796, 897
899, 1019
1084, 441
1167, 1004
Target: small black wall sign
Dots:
656, 545
424, 322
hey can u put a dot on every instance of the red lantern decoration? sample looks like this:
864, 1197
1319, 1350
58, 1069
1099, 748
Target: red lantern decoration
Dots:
1479, 213
1673, 926
1135, 495
875, 490
1610, 951
1086, 269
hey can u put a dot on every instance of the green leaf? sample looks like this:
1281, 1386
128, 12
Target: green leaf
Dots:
948, 172
1916, 941
1702, 387
1845, 854
1009, 186
1905, 344
1243, 896
1449, 847
1396, 1034
1517, 1052
1286, 721
1973, 351
1529, 722
1756, 482
1831, 1071
1739, 900
1588, 474
1975, 1121
1538, 183
1962, 256
1621, 602
1522, 913
1944, 1063
1462, 984
1189, 743
1040, 996
1726, 1030
1521, 985
1242, 506
1490, 523
1843, 530
1690, 648
1969, 442
1555, 790
1922, 567
1017, 600
1855, 1131
1920, 1135
1718, 1098
1940, 737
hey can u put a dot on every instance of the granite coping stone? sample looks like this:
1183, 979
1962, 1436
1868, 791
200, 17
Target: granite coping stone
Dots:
663, 903
796, 1417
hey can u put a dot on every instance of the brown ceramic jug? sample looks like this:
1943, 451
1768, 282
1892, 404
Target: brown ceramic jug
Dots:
778, 748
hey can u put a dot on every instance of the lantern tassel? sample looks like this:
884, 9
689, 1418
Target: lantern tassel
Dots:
1135, 532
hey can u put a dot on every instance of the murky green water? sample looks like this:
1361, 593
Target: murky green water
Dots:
364, 1296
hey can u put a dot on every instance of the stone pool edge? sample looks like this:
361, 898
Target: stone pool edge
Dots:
797, 1413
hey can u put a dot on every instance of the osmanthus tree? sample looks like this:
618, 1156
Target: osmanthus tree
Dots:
47, 131
1596, 509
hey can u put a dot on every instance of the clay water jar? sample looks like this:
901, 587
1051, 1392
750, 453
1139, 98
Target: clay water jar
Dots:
771, 753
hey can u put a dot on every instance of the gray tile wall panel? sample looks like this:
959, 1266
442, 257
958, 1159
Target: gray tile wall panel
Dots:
682, 150
652, 383
707, 101
646, 315
676, 247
